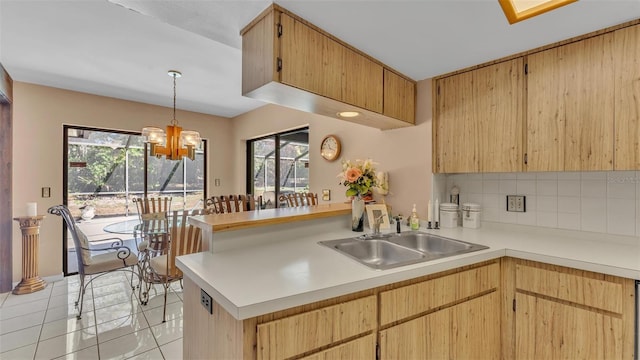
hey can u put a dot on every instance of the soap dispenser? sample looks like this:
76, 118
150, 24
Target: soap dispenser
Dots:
414, 219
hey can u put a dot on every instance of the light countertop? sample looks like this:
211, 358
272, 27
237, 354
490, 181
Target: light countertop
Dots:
255, 280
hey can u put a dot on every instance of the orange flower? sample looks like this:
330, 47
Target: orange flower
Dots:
352, 174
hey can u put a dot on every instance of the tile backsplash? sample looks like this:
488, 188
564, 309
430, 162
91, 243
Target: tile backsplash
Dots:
604, 202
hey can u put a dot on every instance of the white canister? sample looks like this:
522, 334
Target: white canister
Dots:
471, 215
448, 215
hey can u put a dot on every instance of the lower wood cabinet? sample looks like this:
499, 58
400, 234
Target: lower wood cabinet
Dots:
469, 330
362, 348
506, 308
564, 313
294, 335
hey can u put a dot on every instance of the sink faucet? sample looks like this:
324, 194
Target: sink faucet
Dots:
376, 224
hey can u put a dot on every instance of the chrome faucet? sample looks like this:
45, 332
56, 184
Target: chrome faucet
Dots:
376, 224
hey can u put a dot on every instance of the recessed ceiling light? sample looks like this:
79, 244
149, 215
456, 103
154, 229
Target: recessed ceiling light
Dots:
348, 114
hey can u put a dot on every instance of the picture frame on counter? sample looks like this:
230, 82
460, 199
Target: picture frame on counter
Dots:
375, 211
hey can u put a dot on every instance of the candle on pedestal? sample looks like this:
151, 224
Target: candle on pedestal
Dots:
32, 209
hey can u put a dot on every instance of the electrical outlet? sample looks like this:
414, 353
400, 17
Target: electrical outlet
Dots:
517, 203
206, 301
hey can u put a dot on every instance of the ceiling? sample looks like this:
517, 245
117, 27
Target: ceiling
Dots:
123, 48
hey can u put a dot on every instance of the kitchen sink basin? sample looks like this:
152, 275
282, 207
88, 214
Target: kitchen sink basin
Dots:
378, 253
385, 251
432, 244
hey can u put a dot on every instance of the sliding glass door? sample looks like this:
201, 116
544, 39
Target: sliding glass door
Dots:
105, 169
278, 164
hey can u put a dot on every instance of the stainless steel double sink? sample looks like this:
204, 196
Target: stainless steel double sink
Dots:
386, 251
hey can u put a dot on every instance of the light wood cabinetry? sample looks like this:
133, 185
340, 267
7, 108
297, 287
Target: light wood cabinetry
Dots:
310, 60
506, 308
288, 61
464, 331
362, 348
308, 331
399, 97
570, 111
479, 120
575, 109
565, 313
362, 85
627, 92
458, 317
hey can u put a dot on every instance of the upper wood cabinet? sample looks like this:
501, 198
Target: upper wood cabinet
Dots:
310, 60
570, 111
478, 120
290, 62
575, 108
627, 92
399, 96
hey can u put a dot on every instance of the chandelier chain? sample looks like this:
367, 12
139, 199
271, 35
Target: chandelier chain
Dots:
174, 121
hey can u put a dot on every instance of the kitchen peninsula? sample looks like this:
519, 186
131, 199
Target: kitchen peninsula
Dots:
276, 293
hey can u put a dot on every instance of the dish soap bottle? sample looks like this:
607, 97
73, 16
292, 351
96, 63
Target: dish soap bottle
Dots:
413, 219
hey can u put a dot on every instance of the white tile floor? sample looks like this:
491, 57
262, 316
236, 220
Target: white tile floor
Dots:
114, 325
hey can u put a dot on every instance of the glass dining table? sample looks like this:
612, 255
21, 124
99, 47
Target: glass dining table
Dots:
133, 225
126, 227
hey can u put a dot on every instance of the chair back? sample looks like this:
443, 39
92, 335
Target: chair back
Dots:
299, 199
185, 239
79, 238
148, 205
233, 203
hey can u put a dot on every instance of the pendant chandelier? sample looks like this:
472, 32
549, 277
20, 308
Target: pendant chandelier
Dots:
175, 143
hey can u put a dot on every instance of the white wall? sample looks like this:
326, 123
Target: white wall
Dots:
39, 114
603, 202
404, 153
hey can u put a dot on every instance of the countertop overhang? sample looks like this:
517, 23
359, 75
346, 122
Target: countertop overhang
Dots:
249, 219
257, 280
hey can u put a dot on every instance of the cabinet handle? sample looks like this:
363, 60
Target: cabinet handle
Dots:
279, 66
279, 30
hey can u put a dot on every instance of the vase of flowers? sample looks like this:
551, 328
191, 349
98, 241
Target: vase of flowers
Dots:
360, 178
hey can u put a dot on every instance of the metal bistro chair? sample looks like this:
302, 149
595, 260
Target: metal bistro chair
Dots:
116, 257
179, 239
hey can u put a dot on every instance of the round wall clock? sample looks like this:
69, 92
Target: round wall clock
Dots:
330, 147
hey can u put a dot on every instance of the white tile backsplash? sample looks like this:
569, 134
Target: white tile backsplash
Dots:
597, 201
593, 188
569, 187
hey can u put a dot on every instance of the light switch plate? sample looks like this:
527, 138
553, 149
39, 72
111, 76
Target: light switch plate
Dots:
517, 203
46, 192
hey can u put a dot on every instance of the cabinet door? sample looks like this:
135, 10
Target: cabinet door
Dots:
399, 97
498, 98
627, 97
308, 331
547, 329
362, 348
310, 60
463, 331
362, 82
456, 132
570, 107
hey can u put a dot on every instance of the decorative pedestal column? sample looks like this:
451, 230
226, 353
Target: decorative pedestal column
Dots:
31, 282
